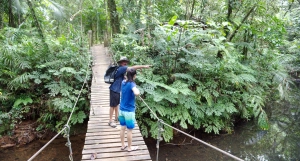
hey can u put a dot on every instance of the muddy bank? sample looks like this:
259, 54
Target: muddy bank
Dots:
23, 133
56, 151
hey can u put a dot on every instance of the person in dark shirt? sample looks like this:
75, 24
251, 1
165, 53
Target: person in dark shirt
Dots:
127, 109
115, 88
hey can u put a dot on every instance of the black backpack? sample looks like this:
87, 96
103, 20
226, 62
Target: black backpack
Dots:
109, 76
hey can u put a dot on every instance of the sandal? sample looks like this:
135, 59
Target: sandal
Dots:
93, 156
124, 147
134, 148
112, 124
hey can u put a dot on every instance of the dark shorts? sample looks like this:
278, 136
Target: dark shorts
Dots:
114, 98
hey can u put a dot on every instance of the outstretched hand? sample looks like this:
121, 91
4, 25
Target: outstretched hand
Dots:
147, 66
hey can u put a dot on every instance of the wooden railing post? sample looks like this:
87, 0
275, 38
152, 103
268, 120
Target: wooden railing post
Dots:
90, 34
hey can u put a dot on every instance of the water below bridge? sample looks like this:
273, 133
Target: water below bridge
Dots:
281, 142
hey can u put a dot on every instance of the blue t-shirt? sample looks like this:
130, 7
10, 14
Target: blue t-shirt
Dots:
119, 77
127, 97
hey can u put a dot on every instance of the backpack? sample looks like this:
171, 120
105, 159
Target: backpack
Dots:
110, 73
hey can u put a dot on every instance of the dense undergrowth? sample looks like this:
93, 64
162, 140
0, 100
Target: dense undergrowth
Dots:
222, 63
200, 80
41, 82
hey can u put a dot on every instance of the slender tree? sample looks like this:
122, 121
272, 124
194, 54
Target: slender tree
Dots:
113, 15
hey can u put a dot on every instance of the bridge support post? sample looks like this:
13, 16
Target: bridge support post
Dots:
159, 138
68, 144
90, 34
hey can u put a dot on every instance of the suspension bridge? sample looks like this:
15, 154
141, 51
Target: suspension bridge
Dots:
103, 142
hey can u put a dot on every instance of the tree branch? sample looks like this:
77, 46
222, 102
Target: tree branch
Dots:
229, 10
230, 37
193, 6
40, 31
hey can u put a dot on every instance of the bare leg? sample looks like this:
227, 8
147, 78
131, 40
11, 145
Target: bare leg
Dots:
111, 111
116, 113
122, 136
129, 139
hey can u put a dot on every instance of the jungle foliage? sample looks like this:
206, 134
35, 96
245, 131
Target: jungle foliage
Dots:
214, 62
44, 60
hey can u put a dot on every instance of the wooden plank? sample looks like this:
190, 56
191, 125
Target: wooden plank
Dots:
108, 133
105, 141
100, 102
105, 103
106, 126
100, 119
100, 137
100, 98
100, 109
98, 113
111, 150
119, 154
117, 135
128, 158
103, 122
117, 129
99, 146
101, 116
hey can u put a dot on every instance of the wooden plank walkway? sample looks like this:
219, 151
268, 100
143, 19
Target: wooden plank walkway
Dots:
101, 138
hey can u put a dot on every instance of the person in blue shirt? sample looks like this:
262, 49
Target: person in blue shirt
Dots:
115, 88
127, 108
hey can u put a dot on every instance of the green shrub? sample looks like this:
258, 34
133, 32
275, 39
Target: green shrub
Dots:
39, 84
198, 79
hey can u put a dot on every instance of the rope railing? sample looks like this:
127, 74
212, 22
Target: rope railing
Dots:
66, 128
160, 122
38, 152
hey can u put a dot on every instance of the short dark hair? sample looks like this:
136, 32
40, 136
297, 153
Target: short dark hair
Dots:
130, 74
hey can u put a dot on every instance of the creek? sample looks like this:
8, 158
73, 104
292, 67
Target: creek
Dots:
280, 143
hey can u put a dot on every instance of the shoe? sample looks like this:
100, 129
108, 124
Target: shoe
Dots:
133, 148
112, 124
93, 156
124, 147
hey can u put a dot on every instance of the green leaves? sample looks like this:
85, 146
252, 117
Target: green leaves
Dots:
48, 84
78, 117
173, 20
23, 101
204, 75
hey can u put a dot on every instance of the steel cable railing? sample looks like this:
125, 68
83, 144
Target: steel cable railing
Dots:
66, 127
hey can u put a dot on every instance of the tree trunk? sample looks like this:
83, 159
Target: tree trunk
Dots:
148, 8
229, 12
230, 36
1, 23
11, 21
1, 12
37, 24
187, 10
138, 15
192, 11
113, 15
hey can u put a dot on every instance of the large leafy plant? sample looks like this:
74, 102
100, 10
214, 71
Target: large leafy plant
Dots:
198, 79
41, 83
